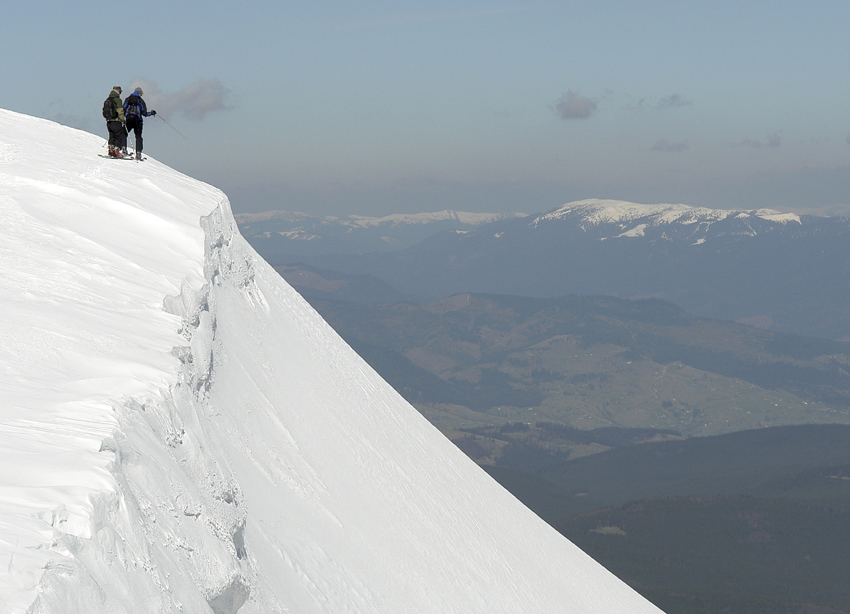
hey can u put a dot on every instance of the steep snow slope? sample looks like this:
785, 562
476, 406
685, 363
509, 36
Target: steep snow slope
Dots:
181, 432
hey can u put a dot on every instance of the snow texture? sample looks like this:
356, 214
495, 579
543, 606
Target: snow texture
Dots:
181, 431
595, 212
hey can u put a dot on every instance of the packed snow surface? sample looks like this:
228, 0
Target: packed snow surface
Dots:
181, 432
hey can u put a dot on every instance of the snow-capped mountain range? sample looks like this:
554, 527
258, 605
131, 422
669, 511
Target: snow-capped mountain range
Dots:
634, 219
786, 271
181, 431
621, 219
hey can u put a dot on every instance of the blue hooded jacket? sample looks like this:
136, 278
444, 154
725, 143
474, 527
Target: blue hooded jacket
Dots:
134, 106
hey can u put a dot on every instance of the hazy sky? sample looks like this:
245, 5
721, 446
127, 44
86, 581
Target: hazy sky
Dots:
373, 107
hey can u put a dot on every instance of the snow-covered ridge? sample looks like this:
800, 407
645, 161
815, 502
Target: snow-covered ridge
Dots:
391, 220
181, 432
464, 217
89, 249
294, 235
596, 212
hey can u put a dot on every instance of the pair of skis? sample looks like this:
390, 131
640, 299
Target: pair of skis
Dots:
122, 158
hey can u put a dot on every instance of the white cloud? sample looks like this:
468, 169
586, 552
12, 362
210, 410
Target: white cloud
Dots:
194, 101
572, 105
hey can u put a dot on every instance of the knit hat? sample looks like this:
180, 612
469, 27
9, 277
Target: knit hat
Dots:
139, 91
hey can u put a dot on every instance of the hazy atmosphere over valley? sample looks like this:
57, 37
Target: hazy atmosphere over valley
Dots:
373, 108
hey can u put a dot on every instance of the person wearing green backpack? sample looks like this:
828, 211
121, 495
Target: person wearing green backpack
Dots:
113, 113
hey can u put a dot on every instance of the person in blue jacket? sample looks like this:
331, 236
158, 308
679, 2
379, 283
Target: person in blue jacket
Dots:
135, 110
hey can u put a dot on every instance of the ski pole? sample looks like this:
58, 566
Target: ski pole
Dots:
172, 127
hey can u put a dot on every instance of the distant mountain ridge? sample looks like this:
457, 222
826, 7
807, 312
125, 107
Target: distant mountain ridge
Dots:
783, 271
633, 220
395, 219
284, 236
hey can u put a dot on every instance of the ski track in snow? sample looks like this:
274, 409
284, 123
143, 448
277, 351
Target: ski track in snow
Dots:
181, 432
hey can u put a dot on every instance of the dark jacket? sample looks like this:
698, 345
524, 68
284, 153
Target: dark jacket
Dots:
116, 100
134, 106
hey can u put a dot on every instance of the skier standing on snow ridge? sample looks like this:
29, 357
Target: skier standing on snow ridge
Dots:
115, 124
134, 110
